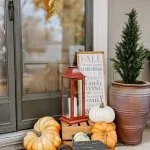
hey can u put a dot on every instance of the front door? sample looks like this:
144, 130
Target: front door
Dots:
47, 37
38, 41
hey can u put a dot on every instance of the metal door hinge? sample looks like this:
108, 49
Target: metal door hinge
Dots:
11, 10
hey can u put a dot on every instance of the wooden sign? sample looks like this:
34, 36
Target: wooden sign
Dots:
91, 64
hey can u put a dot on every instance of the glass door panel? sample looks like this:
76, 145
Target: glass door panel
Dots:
49, 41
50, 33
3, 62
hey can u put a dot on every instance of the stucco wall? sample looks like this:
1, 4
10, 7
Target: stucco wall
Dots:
116, 19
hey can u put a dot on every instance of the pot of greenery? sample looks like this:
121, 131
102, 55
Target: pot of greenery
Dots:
130, 98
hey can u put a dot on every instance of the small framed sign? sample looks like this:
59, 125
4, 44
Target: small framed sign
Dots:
91, 64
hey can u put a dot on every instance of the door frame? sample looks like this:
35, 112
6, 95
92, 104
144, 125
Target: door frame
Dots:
9, 98
100, 32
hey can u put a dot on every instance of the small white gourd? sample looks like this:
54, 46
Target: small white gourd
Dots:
102, 113
80, 136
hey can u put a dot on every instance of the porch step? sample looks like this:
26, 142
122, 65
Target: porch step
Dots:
12, 141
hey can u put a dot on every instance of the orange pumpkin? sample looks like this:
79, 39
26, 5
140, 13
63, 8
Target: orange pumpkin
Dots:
47, 123
104, 132
45, 135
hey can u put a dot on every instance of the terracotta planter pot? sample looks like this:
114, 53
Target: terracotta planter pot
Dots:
131, 103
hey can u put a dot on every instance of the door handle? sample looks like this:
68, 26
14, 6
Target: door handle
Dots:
11, 10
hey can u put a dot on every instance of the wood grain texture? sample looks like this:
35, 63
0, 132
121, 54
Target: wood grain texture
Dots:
68, 131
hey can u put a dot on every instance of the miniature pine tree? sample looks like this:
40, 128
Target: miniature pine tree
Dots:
130, 54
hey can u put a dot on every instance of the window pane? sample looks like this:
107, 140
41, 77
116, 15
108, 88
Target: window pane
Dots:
51, 34
3, 63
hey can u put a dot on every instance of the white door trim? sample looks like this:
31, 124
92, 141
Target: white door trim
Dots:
100, 29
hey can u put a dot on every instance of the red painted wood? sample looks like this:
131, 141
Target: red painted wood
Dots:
73, 74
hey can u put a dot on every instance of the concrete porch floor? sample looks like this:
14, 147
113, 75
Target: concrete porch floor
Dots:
145, 145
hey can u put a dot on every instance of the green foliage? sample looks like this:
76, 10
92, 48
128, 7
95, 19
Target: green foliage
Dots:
130, 54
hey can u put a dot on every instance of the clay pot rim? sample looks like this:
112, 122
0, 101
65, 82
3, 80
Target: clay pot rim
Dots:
139, 83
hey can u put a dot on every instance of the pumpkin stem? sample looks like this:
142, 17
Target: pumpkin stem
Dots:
104, 137
37, 133
85, 134
102, 105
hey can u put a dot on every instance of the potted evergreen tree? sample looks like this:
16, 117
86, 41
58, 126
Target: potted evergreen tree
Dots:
130, 98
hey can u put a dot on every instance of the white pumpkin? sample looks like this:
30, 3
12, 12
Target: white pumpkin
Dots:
80, 136
102, 113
